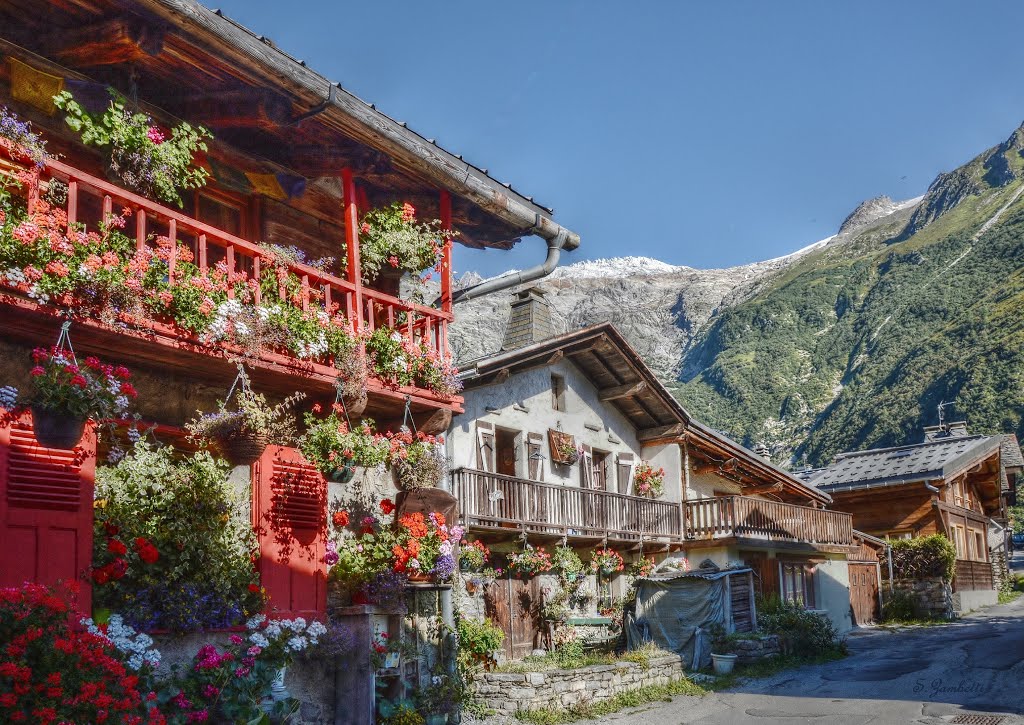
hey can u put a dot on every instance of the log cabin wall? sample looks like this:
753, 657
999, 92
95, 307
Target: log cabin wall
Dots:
880, 512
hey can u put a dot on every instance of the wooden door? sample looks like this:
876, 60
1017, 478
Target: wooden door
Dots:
864, 593
290, 516
46, 502
514, 605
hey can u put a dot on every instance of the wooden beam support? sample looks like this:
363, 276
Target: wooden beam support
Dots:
622, 391
108, 42
244, 108
503, 375
760, 490
559, 354
662, 431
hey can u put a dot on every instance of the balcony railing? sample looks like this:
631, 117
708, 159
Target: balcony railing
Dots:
491, 500
742, 516
91, 200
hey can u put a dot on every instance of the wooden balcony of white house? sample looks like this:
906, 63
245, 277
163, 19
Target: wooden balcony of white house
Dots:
497, 502
761, 522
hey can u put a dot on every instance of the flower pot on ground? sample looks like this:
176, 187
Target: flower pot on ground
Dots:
67, 394
723, 663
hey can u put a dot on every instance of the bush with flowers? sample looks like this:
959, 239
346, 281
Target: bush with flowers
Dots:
170, 549
529, 561
16, 134
606, 561
51, 672
391, 238
648, 481
140, 154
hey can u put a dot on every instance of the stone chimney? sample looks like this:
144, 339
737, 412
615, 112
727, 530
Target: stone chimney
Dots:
530, 320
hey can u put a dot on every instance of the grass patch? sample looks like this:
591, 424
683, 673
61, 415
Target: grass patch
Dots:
632, 698
1012, 589
573, 661
911, 622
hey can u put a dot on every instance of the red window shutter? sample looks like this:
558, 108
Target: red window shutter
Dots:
290, 515
46, 501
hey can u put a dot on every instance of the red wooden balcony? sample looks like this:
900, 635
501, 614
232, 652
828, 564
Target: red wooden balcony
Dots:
744, 517
90, 200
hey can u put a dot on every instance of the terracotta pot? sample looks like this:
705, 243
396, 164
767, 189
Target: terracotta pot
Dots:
359, 597
244, 449
57, 428
420, 577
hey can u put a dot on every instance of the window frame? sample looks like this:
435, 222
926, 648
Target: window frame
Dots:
788, 589
558, 393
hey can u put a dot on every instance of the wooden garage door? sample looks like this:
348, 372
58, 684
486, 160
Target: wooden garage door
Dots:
864, 593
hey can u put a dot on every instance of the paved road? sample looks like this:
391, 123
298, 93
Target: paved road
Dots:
925, 675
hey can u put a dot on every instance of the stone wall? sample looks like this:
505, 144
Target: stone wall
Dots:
507, 692
754, 650
1000, 570
934, 596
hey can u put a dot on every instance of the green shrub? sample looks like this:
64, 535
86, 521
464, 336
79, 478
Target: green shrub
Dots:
923, 557
479, 639
803, 633
900, 606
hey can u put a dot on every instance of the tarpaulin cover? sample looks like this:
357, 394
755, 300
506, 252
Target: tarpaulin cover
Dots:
676, 611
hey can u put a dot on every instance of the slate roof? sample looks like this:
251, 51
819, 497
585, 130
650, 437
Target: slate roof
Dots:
1010, 452
904, 464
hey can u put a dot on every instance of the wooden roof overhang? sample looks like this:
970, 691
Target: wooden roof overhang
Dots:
756, 476
610, 363
193, 63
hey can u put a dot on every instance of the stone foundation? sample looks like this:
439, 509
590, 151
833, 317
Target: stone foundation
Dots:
749, 651
506, 692
934, 596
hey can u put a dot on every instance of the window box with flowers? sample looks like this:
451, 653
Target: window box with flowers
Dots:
563, 448
648, 481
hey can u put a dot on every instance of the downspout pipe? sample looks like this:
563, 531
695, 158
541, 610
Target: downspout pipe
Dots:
556, 244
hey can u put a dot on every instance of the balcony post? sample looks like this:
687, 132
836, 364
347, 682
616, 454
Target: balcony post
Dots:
348, 186
446, 262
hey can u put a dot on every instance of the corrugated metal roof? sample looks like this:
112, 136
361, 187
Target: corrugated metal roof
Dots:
888, 466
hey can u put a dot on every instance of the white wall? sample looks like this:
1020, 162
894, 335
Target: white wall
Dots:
832, 589
523, 403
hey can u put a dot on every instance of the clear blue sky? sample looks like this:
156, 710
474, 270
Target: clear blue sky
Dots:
700, 133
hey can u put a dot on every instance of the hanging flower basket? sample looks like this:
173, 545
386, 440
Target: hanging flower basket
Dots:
606, 562
563, 448
342, 474
243, 448
57, 428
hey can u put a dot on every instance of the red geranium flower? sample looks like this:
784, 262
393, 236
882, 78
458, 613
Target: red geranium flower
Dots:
387, 506
340, 519
115, 546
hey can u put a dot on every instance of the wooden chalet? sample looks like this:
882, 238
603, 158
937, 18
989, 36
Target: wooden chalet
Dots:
296, 160
952, 483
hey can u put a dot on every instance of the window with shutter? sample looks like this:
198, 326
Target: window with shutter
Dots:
290, 515
624, 471
46, 502
485, 447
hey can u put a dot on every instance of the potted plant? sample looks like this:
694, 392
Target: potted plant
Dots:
722, 657
392, 242
442, 698
567, 563
140, 155
336, 449
648, 481
529, 561
642, 567
568, 453
243, 433
606, 562
417, 461
473, 555
67, 394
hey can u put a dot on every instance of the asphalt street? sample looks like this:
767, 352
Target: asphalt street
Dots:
928, 675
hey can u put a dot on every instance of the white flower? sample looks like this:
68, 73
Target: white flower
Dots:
297, 644
316, 629
259, 640
256, 621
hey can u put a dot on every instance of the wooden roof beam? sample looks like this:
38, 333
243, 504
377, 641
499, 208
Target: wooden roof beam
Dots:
622, 391
108, 42
242, 108
662, 431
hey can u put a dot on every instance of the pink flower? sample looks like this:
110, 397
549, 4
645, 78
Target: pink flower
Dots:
408, 212
155, 135
235, 639
365, 229
37, 371
393, 260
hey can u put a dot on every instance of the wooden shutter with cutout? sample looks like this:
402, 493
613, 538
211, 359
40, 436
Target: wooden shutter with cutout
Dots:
290, 515
624, 472
485, 459
46, 502
534, 460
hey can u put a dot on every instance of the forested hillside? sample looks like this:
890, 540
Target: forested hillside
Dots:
857, 343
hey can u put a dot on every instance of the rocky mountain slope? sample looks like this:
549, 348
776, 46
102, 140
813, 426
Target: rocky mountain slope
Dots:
850, 342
